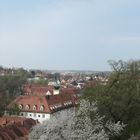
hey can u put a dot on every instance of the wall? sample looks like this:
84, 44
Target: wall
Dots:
41, 117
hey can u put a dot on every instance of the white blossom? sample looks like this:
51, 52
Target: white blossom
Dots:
82, 123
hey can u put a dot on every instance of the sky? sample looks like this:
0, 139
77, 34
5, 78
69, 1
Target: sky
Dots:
68, 34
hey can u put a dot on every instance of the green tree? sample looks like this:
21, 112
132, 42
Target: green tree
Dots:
11, 86
119, 99
13, 110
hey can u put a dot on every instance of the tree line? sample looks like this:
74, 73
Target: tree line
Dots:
119, 99
11, 86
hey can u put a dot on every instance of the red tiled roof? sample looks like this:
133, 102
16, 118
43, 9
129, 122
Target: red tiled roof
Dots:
39, 98
18, 130
37, 101
42, 90
46, 101
36, 89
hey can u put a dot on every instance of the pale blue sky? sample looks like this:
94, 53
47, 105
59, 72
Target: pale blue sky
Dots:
68, 34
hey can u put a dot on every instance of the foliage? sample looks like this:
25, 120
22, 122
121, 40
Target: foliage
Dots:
119, 99
14, 110
77, 125
39, 81
11, 86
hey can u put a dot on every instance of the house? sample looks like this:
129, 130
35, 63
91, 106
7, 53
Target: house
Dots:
15, 128
47, 90
40, 103
39, 90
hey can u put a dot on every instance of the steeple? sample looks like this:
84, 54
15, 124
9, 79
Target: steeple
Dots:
56, 89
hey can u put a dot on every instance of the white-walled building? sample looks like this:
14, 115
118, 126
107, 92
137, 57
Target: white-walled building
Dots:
41, 106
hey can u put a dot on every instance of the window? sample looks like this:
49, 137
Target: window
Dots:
21, 114
38, 115
42, 108
20, 106
34, 107
59, 105
48, 93
27, 107
30, 115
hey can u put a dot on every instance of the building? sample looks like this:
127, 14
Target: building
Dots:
39, 102
15, 128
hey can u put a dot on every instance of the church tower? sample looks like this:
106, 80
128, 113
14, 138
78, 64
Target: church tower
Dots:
56, 89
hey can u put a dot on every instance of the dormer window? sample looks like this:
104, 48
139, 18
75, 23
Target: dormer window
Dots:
20, 106
27, 107
48, 93
34, 107
42, 108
